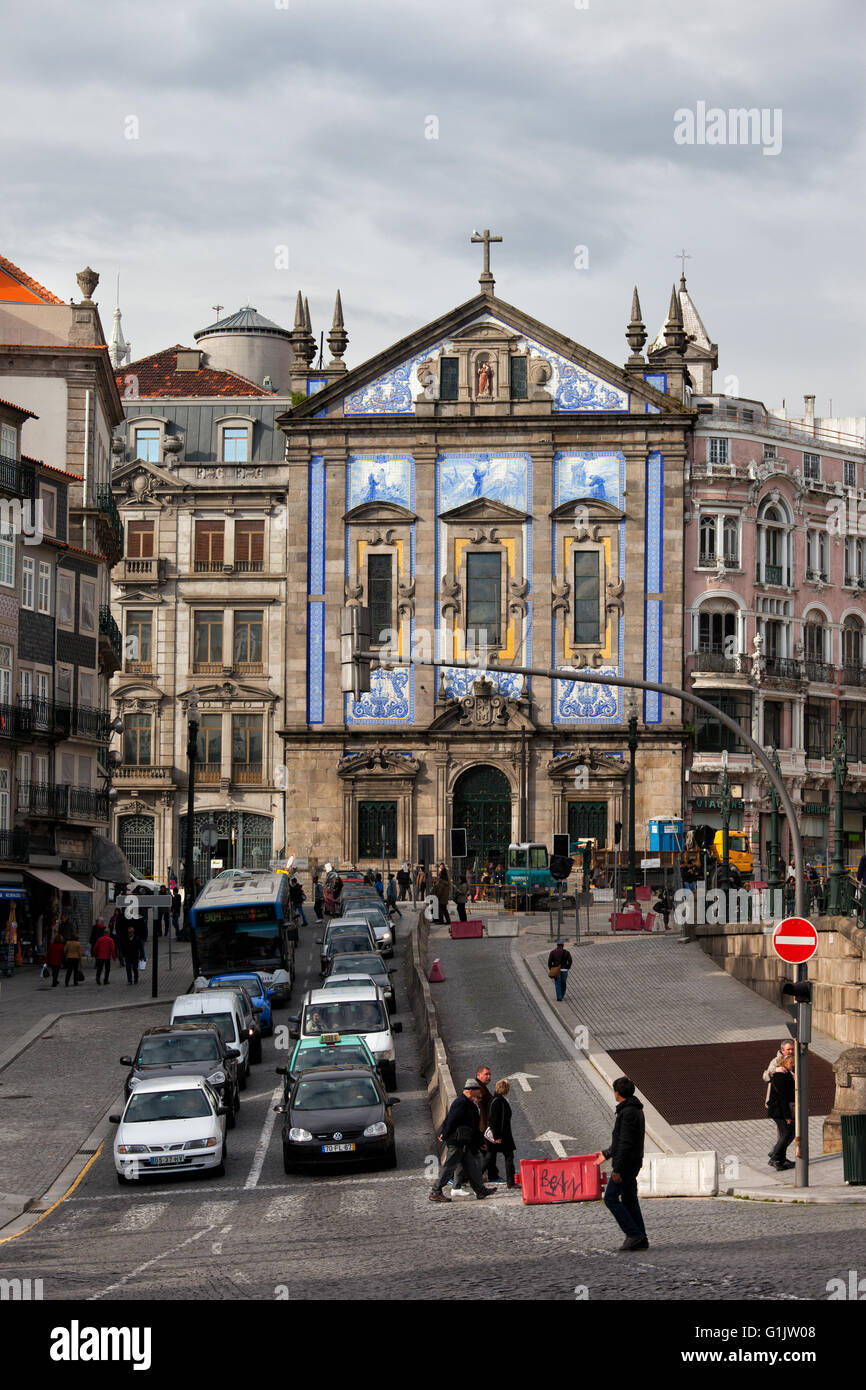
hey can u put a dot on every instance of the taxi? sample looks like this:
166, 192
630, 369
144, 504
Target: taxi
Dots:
329, 1050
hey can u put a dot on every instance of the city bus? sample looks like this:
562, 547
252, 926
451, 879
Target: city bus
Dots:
243, 921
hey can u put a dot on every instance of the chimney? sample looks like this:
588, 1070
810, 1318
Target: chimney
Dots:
809, 404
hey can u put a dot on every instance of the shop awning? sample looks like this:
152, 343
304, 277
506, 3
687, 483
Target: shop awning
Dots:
59, 880
109, 863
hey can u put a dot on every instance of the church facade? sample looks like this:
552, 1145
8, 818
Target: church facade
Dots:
486, 484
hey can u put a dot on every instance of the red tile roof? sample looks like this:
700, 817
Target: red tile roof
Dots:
62, 472
16, 285
22, 409
158, 376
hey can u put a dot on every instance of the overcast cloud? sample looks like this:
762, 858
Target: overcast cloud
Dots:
261, 127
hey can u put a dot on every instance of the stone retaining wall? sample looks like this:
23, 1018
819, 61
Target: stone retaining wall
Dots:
434, 1059
838, 970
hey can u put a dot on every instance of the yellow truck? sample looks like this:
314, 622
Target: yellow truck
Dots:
704, 839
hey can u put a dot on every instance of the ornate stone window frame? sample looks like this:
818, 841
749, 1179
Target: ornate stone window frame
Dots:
378, 774
231, 422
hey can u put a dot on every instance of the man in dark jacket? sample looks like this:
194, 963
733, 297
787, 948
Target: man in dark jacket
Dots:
131, 950
483, 1077
780, 1107
560, 958
463, 1137
626, 1158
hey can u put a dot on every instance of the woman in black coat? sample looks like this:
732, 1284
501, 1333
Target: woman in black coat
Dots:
499, 1124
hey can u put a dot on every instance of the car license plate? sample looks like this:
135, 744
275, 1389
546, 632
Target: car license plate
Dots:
338, 1148
166, 1162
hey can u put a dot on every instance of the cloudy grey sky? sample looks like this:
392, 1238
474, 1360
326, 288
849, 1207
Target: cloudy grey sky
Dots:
306, 127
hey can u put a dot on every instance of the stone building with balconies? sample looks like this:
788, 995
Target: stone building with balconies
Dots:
775, 617
200, 596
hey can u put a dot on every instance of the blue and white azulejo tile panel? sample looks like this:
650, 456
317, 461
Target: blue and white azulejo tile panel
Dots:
654, 582
316, 591
589, 473
380, 478
499, 477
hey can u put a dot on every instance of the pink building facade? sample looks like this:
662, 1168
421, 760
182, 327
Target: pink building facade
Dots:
775, 613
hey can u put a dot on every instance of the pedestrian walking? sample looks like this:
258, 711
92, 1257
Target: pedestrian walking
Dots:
498, 1134
54, 957
104, 951
462, 1136
498, 881
161, 926
391, 895
66, 928
483, 1077
378, 884
780, 1108
421, 882
442, 892
72, 956
132, 951
95, 933
318, 898
558, 965
297, 897
461, 892
176, 908
626, 1160
404, 882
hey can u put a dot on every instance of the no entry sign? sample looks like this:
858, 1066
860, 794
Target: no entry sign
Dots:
795, 940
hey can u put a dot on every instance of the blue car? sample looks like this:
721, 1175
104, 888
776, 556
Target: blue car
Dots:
258, 991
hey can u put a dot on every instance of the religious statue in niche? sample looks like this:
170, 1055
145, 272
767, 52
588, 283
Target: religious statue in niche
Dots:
485, 379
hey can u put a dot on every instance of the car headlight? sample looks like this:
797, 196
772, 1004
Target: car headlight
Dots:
132, 1148
374, 1131
299, 1136
387, 1055
200, 1143
217, 1078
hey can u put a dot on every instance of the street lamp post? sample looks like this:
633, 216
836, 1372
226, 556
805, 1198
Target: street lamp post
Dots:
632, 753
840, 772
774, 880
188, 875
725, 798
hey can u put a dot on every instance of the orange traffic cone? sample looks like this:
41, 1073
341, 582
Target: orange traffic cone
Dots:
437, 974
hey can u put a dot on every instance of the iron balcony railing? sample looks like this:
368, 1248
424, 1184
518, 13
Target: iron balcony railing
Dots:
819, 671
107, 505
715, 661
18, 478
58, 720
43, 799
854, 675
14, 846
772, 574
246, 772
88, 804
108, 628
784, 668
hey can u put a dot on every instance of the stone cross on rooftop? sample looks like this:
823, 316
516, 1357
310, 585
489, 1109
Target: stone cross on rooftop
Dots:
485, 279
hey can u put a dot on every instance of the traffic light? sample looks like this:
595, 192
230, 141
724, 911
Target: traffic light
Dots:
800, 991
560, 867
354, 638
561, 844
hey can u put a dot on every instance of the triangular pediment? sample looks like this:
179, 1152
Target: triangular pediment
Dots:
595, 508
382, 512
124, 475
571, 377
485, 509
601, 766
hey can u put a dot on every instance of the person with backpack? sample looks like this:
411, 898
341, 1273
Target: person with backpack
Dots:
559, 963
404, 882
297, 897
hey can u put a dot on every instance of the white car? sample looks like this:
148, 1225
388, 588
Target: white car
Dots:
170, 1124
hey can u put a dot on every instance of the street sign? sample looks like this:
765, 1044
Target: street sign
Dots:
795, 940
216, 863
650, 863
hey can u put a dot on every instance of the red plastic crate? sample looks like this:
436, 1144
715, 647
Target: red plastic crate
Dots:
460, 930
546, 1180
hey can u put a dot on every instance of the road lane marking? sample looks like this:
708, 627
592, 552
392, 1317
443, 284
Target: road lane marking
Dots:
212, 1213
264, 1140
133, 1274
139, 1218
282, 1209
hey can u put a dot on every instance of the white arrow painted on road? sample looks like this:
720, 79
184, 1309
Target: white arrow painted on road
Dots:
555, 1140
499, 1033
524, 1078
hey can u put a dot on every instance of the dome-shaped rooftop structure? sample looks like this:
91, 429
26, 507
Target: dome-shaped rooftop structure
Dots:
250, 345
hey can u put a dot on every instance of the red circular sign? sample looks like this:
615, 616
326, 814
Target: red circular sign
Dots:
795, 940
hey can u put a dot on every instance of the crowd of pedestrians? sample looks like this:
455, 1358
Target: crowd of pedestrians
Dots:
476, 1130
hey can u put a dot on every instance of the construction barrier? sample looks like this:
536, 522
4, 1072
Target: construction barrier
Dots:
578, 1179
459, 931
628, 921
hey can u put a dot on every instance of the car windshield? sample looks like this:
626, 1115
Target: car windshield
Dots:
345, 1016
334, 1093
252, 987
342, 945
153, 1106
225, 1023
366, 964
331, 1056
167, 1051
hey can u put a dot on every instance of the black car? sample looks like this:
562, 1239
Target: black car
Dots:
187, 1049
338, 1115
351, 937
